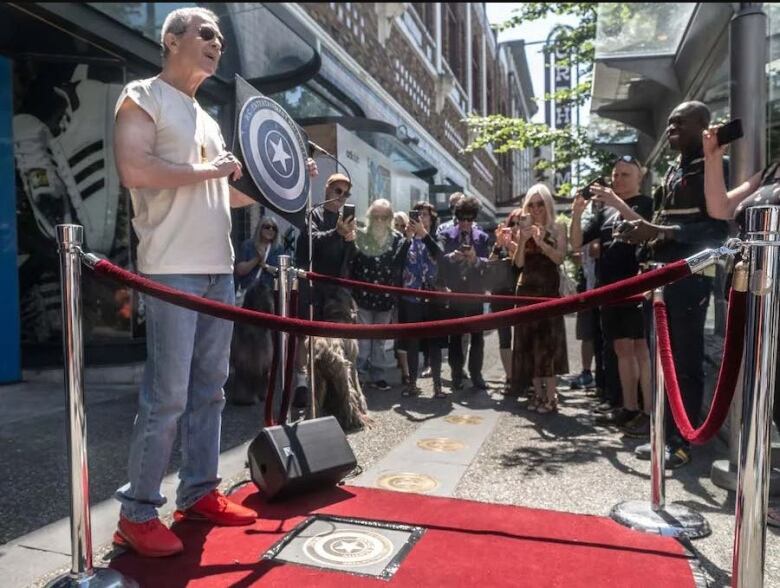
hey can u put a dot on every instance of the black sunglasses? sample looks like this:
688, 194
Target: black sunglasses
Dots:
207, 33
466, 218
339, 192
273, 228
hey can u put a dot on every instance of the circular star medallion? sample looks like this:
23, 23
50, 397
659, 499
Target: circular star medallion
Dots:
463, 419
348, 548
274, 152
408, 482
440, 444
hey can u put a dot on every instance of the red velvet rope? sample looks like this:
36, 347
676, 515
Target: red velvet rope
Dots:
727, 376
612, 293
475, 297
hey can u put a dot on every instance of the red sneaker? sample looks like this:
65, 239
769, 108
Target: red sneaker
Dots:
150, 539
216, 508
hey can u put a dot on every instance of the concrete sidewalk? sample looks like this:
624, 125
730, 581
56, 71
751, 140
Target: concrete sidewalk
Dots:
558, 461
34, 483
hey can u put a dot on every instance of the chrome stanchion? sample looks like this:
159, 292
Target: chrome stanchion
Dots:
763, 319
311, 411
284, 310
657, 422
82, 574
674, 520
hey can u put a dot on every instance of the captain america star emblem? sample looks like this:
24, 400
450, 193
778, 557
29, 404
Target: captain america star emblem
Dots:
348, 548
274, 153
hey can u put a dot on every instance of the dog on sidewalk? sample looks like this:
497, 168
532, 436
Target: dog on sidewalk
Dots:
335, 370
251, 351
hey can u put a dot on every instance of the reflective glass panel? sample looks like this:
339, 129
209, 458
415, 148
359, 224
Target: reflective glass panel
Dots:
641, 28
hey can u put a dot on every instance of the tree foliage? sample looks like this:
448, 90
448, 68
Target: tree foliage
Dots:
570, 145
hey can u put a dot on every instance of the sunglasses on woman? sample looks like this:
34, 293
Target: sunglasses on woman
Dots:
629, 159
536, 204
207, 33
273, 228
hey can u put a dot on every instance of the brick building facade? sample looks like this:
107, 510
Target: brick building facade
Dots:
437, 63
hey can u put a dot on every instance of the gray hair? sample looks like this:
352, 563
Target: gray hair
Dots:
177, 20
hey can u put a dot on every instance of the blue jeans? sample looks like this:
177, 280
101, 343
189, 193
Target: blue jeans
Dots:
373, 357
187, 362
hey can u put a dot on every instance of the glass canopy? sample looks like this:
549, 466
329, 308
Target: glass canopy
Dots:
262, 45
641, 29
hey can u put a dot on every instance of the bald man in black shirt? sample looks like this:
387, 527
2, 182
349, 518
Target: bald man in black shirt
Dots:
682, 227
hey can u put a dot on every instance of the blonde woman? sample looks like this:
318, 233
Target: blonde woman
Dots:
257, 253
539, 351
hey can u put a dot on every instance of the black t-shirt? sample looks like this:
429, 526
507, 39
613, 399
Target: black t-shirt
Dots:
618, 259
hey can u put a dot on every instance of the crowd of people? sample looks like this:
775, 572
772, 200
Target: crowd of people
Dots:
615, 232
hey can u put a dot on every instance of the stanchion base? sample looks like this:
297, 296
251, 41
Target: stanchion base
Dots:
100, 578
674, 520
724, 475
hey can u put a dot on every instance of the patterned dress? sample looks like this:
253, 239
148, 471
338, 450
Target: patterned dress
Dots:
539, 349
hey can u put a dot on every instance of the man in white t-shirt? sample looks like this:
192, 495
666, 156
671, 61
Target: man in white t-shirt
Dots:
171, 155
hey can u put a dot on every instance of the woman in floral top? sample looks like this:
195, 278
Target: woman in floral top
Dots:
379, 259
421, 273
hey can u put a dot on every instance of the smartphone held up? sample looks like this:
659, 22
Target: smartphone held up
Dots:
731, 131
348, 212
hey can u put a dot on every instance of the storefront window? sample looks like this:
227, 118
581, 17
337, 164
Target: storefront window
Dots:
65, 171
260, 45
144, 17
304, 102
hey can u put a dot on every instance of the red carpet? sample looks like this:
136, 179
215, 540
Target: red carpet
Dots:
465, 544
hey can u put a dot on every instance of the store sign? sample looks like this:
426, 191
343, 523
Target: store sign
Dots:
558, 116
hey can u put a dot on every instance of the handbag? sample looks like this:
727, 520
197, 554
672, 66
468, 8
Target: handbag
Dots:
566, 285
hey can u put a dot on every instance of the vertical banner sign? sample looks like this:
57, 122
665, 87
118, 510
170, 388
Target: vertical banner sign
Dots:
562, 111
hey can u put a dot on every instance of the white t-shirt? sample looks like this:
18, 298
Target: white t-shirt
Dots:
184, 230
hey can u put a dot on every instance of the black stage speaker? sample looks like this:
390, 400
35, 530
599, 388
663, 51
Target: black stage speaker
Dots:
308, 455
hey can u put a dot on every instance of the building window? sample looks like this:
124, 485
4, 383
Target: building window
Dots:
452, 44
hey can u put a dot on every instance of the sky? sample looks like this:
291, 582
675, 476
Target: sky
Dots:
538, 30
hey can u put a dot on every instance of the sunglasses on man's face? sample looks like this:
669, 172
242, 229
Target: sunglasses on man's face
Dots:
466, 219
207, 33
342, 192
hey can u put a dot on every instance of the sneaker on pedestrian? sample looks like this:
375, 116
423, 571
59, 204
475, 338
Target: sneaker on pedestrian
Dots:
678, 458
215, 507
381, 385
643, 451
149, 539
619, 417
426, 373
638, 427
673, 458
605, 406
584, 380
